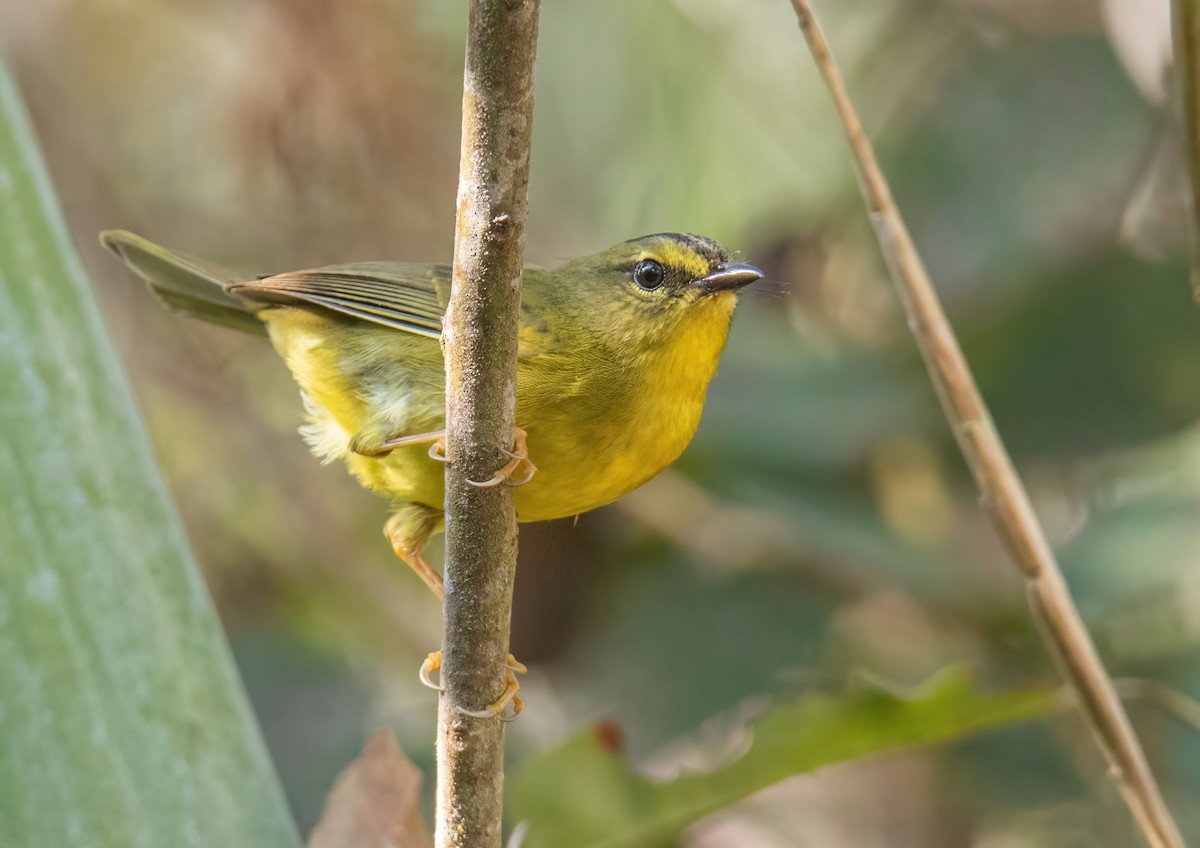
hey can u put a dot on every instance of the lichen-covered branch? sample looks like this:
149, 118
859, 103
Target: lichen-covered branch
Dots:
1004, 494
480, 341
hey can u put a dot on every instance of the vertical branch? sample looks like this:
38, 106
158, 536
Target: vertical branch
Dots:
480, 341
1004, 495
1185, 34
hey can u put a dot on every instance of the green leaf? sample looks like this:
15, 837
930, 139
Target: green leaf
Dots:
122, 719
586, 795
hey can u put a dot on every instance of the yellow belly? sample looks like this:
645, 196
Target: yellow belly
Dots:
583, 461
595, 431
580, 468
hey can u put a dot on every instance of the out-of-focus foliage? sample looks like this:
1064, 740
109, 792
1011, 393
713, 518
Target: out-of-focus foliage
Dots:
822, 522
123, 720
585, 794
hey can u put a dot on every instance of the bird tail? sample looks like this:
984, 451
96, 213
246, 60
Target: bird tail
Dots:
183, 283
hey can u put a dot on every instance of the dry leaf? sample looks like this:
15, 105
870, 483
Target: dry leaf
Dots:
375, 802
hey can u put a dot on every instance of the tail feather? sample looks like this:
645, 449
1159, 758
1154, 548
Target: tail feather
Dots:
195, 287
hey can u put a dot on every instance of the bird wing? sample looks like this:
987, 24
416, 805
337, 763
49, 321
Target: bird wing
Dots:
399, 295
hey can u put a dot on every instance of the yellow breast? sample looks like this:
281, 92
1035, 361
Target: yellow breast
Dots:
636, 419
598, 427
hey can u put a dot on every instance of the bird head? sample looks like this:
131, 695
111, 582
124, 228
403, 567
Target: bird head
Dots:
649, 291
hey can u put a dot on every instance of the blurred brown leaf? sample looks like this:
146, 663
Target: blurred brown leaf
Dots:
374, 803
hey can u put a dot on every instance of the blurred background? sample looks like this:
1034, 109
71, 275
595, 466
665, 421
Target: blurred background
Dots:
822, 524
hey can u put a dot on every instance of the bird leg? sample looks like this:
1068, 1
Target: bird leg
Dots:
408, 530
435, 439
416, 561
519, 456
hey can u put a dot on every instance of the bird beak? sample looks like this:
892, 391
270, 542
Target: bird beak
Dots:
728, 276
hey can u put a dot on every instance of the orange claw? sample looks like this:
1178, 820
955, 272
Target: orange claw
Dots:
509, 695
433, 662
519, 456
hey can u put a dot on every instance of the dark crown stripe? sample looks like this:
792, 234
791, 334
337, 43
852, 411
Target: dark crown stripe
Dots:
706, 247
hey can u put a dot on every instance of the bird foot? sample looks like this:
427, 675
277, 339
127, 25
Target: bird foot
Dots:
518, 456
512, 686
435, 439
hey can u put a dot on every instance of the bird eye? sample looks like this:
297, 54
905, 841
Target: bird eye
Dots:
649, 274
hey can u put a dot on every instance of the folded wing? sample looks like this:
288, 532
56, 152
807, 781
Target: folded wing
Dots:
399, 295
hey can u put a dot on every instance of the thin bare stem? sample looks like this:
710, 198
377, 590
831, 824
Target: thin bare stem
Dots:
480, 341
1004, 495
1185, 31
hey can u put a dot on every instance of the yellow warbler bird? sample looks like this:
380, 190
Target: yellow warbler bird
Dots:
615, 355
